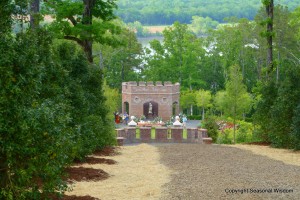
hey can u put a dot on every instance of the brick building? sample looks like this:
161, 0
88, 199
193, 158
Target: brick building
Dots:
150, 100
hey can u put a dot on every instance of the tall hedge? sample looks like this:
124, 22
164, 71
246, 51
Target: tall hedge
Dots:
51, 112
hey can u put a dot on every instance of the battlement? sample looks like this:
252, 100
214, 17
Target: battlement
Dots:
150, 87
163, 98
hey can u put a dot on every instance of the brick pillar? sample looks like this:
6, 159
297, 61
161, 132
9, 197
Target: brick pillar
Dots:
131, 134
145, 134
203, 132
191, 135
198, 136
205, 139
176, 134
161, 134
120, 132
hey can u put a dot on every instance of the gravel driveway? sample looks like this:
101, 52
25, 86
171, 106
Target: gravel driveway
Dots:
221, 172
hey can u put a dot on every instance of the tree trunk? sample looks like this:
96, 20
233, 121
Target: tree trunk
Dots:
4, 178
270, 11
87, 18
34, 12
88, 49
234, 130
202, 113
191, 109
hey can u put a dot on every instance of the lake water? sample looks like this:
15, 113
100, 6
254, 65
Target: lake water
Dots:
145, 40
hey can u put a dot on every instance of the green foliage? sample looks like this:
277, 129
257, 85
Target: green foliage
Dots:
296, 128
188, 100
225, 137
194, 117
34, 133
84, 22
212, 128
262, 117
203, 99
113, 99
6, 9
201, 25
220, 101
238, 101
169, 11
294, 20
140, 30
235, 43
52, 104
244, 134
283, 111
178, 59
276, 110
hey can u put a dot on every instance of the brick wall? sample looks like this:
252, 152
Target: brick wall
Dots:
194, 135
137, 95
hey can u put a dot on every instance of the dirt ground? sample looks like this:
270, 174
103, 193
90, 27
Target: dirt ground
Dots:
193, 171
137, 174
225, 172
287, 156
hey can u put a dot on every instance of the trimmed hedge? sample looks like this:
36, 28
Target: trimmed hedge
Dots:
52, 112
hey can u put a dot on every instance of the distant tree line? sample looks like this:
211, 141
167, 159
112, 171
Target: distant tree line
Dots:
166, 12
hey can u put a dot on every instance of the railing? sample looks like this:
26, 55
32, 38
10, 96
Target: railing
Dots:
162, 135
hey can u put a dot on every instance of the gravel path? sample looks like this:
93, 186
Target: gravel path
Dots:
221, 172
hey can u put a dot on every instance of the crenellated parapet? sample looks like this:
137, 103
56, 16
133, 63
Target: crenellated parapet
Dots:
150, 87
162, 97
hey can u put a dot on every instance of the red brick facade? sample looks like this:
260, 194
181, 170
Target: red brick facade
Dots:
150, 99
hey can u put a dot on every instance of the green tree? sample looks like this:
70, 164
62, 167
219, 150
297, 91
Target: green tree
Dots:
220, 101
295, 20
178, 59
139, 29
34, 13
235, 43
6, 9
269, 34
74, 21
201, 25
188, 100
113, 99
296, 129
274, 112
122, 63
34, 138
203, 99
238, 101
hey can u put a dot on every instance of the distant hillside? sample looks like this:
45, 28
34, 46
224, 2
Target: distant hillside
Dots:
160, 12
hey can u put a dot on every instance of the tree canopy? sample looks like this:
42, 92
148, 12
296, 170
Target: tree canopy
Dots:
168, 11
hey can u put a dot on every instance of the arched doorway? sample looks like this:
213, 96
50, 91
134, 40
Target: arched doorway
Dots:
150, 109
175, 108
126, 107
